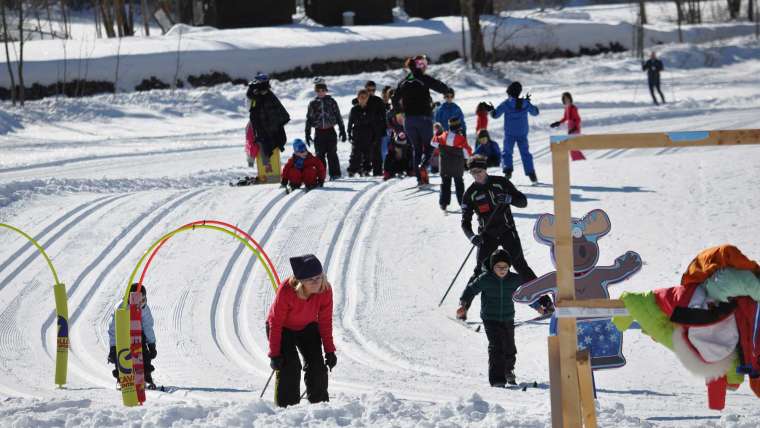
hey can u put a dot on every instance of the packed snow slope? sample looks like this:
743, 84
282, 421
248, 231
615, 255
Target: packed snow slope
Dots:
97, 180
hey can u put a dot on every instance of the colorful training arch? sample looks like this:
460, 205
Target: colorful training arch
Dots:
128, 315
61, 309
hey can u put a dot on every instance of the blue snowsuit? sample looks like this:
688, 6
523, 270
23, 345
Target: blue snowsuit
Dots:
448, 110
516, 132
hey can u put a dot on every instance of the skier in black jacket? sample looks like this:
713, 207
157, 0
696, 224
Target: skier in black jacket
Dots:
412, 97
490, 197
323, 114
653, 67
362, 135
268, 116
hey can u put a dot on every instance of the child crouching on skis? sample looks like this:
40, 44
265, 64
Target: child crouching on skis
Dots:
303, 168
148, 340
497, 311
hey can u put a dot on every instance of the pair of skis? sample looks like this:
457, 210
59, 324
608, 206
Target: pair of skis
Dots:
476, 325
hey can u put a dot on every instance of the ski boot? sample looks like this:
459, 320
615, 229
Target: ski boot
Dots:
511, 379
533, 178
508, 173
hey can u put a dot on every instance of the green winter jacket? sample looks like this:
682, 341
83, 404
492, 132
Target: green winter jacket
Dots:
496, 301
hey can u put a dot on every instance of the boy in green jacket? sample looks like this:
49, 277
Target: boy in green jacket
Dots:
497, 311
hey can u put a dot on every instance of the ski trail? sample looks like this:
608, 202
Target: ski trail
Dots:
72, 289
79, 359
57, 222
55, 237
12, 342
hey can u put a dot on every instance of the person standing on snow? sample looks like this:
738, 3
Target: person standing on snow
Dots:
303, 168
268, 118
454, 152
148, 339
573, 120
323, 114
362, 130
515, 111
448, 110
490, 197
497, 310
412, 98
378, 114
300, 320
653, 67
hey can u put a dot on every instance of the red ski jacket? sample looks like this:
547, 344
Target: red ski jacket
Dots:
292, 310
572, 118
310, 161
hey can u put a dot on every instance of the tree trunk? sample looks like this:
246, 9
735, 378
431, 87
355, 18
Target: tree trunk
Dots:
118, 11
131, 17
679, 13
96, 14
145, 12
8, 53
751, 10
21, 53
734, 8
643, 12
474, 8
64, 15
105, 9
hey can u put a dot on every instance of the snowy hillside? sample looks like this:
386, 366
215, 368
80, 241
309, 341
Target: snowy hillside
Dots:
98, 179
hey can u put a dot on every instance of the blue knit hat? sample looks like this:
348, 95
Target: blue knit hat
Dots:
299, 145
306, 266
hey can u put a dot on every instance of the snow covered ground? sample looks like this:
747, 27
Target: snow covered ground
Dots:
98, 179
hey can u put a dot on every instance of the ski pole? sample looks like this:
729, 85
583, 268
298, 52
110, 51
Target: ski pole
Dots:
266, 385
456, 276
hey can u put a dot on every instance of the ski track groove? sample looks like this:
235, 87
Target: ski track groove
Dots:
55, 237
99, 259
73, 367
233, 260
47, 230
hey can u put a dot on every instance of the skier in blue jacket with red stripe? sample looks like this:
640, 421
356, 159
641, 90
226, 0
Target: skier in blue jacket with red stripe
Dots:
515, 111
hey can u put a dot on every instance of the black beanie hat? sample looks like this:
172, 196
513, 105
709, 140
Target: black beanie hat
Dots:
477, 162
305, 266
133, 288
514, 89
500, 255
483, 133
454, 123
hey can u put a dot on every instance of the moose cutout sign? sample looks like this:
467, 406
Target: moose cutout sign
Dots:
599, 335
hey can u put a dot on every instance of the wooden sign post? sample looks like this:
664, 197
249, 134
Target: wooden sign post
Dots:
573, 373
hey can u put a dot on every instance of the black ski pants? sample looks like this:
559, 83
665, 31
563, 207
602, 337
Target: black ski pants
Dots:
361, 159
287, 386
445, 198
502, 352
510, 242
655, 84
326, 145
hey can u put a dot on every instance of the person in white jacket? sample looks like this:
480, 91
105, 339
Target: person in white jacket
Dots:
148, 339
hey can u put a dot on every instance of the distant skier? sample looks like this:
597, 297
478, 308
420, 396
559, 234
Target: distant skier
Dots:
653, 67
412, 98
300, 320
378, 112
148, 340
515, 111
448, 110
323, 114
573, 120
362, 130
455, 151
497, 310
490, 198
489, 148
303, 168
481, 112
268, 118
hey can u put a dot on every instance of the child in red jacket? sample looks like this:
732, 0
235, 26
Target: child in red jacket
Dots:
454, 151
573, 120
300, 319
303, 168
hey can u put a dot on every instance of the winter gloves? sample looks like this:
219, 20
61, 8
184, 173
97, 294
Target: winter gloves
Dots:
112, 355
476, 240
276, 363
331, 360
342, 135
555, 124
152, 351
462, 312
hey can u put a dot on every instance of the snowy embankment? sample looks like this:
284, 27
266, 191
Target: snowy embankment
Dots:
99, 179
240, 53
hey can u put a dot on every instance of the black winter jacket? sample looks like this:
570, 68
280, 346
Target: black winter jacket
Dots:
269, 117
653, 67
412, 96
361, 126
480, 199
323, 113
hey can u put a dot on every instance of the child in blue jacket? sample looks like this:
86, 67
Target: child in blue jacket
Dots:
488, 148
515, 111
449, 109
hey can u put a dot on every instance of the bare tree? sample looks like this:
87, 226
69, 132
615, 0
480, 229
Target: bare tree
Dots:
66, 23
6, 40
179, 50
734, 8
21, 53
642, 12
473, 9
751, 10
693, 11
679, 17
105, 11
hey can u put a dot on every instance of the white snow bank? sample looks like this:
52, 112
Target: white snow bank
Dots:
242, 52
374, 410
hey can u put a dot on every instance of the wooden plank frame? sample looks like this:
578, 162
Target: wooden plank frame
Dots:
569, 388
